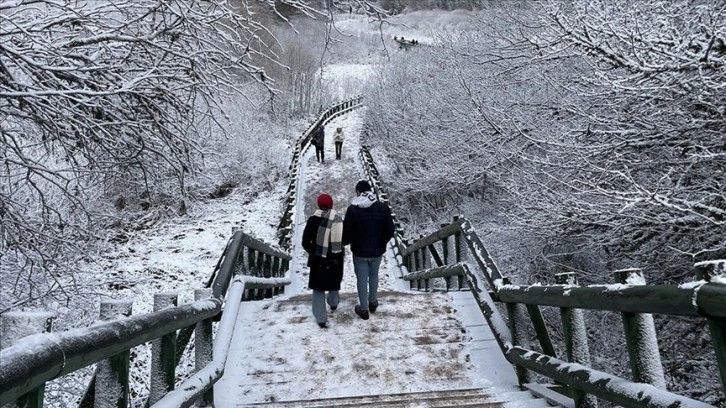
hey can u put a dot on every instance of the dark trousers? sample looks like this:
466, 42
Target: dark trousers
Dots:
319, 153
338, 149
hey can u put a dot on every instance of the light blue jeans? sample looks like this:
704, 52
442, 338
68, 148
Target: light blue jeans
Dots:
366, 270
320, 311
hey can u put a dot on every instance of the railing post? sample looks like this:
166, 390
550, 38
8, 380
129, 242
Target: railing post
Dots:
411, 265
419, 267
259, 271
460, 251
573, 325
250, 261
415, 264
451, 281
708, 271
251, 294
277, 273
267, 273
640, 337
163, 354
284, 266
426, 262
14, 326
408, 259
112, 384
203, 342
517, 319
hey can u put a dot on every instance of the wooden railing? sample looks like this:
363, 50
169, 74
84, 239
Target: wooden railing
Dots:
456, 251
455, 258
248, 269
285, 227
374, 179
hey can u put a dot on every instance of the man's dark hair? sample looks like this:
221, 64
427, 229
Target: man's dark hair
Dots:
362, 186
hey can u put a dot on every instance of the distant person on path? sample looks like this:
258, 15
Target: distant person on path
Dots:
338, 138
367, 227
322, 240
319, 143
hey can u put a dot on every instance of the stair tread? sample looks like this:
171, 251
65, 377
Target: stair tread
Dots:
414, 343
465, 397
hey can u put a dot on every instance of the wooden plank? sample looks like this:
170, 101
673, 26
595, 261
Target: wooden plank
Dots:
431, 239
23, 370
710, 298
440, 272
606, 386
547, 392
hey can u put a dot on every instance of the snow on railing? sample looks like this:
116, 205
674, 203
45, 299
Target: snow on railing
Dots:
629, 295
195, 386
42, 357
258, 270
374, 179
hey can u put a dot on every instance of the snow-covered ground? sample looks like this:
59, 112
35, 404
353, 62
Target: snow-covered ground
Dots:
180, 255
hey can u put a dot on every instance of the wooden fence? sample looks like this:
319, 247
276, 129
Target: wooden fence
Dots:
455, 255
248, 269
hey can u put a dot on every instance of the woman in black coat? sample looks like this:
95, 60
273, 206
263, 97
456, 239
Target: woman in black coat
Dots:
323, 241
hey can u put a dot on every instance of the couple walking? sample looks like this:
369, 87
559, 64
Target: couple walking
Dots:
318, 140
367, 228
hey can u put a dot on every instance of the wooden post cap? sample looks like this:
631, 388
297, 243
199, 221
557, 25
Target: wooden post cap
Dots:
630, 276
566, 278
708, 270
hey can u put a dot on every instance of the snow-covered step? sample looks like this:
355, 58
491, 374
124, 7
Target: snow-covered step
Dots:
534, 403
415, 342
469, 397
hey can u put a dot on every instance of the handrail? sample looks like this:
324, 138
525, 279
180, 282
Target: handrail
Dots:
696, 300
373, 177
445, 271
609, 387
301, 145
225, 268
703, 300
444, 232
196, 385
234, 256
27, 366
43, 357
488, 286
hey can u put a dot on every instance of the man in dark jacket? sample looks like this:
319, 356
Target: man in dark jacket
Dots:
367, 227
318, 141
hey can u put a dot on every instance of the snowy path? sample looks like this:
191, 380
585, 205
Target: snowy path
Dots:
415, 342
337, 178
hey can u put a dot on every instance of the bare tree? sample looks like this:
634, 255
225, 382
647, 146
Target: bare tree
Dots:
113, 99
645, 162
599, 128
600, 123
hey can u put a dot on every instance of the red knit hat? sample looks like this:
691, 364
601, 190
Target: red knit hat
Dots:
325, 201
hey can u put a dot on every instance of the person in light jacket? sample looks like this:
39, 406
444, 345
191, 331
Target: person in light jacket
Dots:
338, 137
367, 227
322, 240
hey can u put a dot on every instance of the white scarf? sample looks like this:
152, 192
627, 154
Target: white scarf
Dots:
330, 233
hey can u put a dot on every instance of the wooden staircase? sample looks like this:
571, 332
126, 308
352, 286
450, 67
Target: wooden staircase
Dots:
414, 352
468, 398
